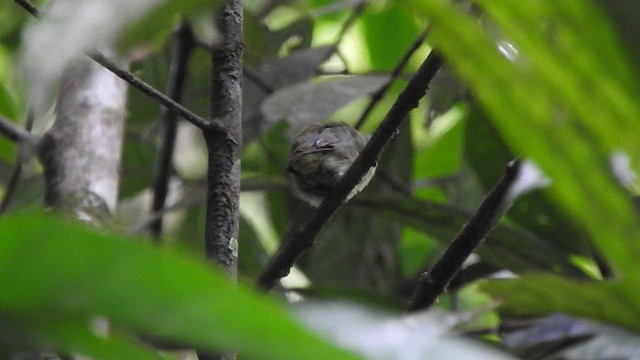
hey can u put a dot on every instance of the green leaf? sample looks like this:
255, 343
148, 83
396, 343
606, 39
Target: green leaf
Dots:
533, 211
72, 335
306, 103
384, 50
565, 103
60, 268
161, 19
506, 246
611, 302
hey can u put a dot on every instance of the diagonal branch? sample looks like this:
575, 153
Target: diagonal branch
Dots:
14, 132
177, 80
378, 95
432, 284
302, 238
136, 82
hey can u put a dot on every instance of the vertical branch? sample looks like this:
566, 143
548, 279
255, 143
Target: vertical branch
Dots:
82, 150
224, 149
223, 194
177, 80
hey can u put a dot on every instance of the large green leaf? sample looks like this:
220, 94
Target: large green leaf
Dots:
65, 270
614, 302
533, 211
565, 101
385, 50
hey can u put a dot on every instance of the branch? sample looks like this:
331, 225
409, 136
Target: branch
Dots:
14, 132
81, 152
177, 79
397, 71
302, 238
26, 139
136, 82
223, 179
432, 284
223, 176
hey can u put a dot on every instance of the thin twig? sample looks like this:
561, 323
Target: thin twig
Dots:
12, 184
177, 80
14, 132
358, 9
213, 125
302, 238
380, 93
31, 9
432, 284
255, 77
197, 194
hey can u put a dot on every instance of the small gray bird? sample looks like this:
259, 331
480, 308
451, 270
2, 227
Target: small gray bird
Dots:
320, 155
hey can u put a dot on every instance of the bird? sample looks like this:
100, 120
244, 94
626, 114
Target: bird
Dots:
319, 157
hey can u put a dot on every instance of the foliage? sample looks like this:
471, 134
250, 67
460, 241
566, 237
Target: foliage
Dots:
550, 81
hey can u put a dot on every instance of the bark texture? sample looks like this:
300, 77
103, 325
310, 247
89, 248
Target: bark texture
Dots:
81, 152
223, 196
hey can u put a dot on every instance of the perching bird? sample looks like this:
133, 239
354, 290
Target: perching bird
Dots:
320, 155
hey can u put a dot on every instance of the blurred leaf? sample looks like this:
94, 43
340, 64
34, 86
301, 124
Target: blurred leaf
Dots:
610, 302
440, 154
254, 257
8, 105
298, 66
623, 14
72, 335
356, 250
385, 50
446, 90
54, 267
506, 247
277, 73
161, 18
301, 29
563, 103
8, 150
262, 43
378, 335
532, 211
307, 103
64, 31
561, 336
137, 165
142, 110
415, 248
